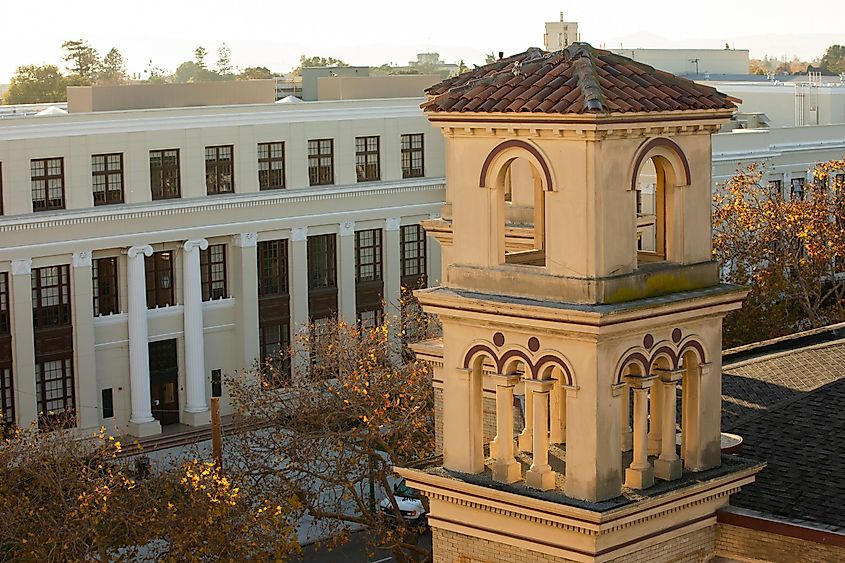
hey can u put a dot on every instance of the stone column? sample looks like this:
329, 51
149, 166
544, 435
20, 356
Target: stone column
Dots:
505, 469
141, 421
540, 475
640, 474
626, 437
26, 405
196, 410
83, 341
668, 466
655, 426
556, 422
526, 437
299, 297
346, 273
245, 291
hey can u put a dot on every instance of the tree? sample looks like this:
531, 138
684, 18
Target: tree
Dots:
332, 434
33, 84
254, 73
305, 61
224, 61
113, 68
834, 58
490, 58
787, 245
84, 61
199, 56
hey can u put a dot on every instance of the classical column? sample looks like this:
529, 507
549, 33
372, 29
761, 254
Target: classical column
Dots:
540, 475
83, 340
299, 297
668, 466
557, 423
526, 436
392, 281
505, 469
640, 474
346, 273
196, 411
245, 291
626, 437
655, 426
26, 405
141, 421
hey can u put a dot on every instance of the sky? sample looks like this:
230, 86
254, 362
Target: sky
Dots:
165, 33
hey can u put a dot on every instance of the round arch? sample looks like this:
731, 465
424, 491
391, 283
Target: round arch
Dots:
666, 352
505, 152
548, 360
666, 152
692, 344
479, 350
633, 357
516, 355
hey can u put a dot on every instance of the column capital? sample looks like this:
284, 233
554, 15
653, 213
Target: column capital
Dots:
191, 245
539, 385
22, 267
705, 368
639, 382
82, 259
503, 380
134, 251
245, 240
347, 228
669, 375
392, 223
299, 234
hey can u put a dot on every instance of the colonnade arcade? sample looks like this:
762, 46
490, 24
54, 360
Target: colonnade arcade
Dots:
655, 389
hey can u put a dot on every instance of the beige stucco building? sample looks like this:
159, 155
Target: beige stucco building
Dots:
145, 255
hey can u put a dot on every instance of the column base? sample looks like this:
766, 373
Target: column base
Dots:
525, 441
144, 429
655, 443
668, 470
627, 441
201, 418
543, 480
639, 478
507, 471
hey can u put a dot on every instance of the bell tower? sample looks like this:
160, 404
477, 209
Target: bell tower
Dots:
578, 378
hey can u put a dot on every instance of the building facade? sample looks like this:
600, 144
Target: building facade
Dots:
146, 255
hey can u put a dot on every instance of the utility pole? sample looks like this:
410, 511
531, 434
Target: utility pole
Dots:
216, 434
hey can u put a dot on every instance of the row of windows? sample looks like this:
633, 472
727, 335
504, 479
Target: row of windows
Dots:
47, 175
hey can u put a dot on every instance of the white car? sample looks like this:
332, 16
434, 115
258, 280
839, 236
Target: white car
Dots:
410, 505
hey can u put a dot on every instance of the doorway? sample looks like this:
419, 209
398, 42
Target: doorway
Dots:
164, 381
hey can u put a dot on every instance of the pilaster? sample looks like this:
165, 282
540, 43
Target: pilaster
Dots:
196, 411
245, 290
85, 365
463, 448
23, 343
346, 272
299, 295
392, 265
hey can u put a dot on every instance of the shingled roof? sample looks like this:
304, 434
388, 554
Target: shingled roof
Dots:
577, 80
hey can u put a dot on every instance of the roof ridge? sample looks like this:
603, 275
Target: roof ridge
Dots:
588, 83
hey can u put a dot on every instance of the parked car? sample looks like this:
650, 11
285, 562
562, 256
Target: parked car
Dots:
410, 505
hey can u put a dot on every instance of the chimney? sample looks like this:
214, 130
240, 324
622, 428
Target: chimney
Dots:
501, 55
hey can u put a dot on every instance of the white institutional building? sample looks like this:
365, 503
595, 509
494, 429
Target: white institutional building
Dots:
147, 254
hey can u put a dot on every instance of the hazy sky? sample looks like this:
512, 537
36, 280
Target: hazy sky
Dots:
274, 34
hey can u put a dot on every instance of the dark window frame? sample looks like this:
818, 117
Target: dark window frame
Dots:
51, 416
271, 169
320, 162
159, 295
49, 203
413, 252
322, 275
107, 396
110, 195
215, 284
165, 177
413, 157
51, 315
219, 171
5, 305
796, 188
274, 342
105, 286
7, 382
273, 269
369, 254
1, 188
368, 158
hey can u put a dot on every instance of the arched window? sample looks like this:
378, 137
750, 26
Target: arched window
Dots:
523, 198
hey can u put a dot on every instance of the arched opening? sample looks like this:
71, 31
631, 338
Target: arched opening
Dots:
650, 211
523, 201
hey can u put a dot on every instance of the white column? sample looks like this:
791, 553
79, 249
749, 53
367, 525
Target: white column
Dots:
640, 474
668, 467
141, 421
505, 469
540, 475
526, 436
299, 297
196, 409
346, 273
26, 405
83, 341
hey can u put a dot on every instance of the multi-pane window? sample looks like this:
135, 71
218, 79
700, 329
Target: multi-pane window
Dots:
7, 397
104, 272
159, 270
412, 155
271, 166
54, 390
322, 270
412, 246
47, 179
213, 271
367, 158
320, 162
776, 185
107, 178
1, 188
5, 325
274, 341
796, 190
368, 255
219, 170
51, 296
164, 174
370, 318
272, 268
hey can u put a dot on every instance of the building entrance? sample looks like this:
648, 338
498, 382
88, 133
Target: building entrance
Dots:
164, 381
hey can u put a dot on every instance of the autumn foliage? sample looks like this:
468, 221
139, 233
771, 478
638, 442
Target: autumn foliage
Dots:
788, 245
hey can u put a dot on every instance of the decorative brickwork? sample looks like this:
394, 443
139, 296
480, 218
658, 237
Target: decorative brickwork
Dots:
452, 547
735, 542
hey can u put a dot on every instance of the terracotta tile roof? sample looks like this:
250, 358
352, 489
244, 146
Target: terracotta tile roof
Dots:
577, 80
